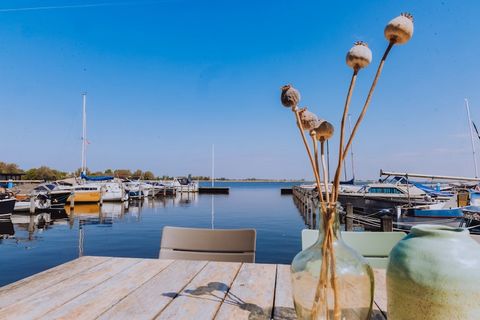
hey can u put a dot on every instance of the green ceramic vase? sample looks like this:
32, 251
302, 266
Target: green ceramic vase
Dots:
434, 273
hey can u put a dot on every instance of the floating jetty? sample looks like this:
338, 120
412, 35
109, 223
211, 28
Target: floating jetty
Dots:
214, 190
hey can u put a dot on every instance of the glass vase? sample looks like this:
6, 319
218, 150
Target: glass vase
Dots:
354, 279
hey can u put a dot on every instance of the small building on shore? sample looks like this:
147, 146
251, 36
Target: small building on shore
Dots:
11, 176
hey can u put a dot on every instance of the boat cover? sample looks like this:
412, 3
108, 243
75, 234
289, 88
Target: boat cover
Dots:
431, 191
99, 178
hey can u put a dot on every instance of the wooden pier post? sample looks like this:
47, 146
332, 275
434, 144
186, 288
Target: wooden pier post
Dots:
102, 191
387, 223
32, 204
349, 218
72, 200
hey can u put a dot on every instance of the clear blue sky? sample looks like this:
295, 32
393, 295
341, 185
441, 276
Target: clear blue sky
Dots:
166, 79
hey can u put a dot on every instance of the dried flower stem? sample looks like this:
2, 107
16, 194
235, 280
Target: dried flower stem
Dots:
321, 291
367, 102
329, 251
328, 255
336, 180
336, 299
328, 197
312, 162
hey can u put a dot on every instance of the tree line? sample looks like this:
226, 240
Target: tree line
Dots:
50, 174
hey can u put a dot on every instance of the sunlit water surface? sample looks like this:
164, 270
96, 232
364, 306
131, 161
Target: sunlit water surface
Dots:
43, 241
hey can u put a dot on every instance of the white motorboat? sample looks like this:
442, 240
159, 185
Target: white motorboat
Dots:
184, 185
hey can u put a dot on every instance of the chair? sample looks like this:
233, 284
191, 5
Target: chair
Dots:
375, 247
236, 245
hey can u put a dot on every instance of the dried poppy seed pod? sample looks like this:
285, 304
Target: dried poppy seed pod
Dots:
400, 29
309, 119
290, 96
359, 56
324, 130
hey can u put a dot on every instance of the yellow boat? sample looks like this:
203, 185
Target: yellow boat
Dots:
85, 194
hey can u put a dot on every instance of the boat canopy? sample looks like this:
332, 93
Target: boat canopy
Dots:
99, 178
431, 190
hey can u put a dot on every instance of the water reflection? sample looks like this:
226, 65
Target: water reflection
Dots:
6, 228
87, 214
308, 212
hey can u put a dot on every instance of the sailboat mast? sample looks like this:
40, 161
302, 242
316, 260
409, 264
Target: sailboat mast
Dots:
213, 165
471, 137
351, 146
84, 133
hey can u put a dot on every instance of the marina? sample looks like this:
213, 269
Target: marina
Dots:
253, 160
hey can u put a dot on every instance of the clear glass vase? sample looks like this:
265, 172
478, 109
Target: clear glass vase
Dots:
354, 279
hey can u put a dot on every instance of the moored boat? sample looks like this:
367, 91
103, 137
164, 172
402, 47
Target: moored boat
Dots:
7, 204
436, 210
87, 193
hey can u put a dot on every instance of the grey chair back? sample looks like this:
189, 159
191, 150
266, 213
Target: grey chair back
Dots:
235, 245
375, 247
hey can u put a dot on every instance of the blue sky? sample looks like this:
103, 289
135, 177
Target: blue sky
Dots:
166, 79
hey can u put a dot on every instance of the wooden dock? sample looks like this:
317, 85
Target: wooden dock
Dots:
213, 190
127, 288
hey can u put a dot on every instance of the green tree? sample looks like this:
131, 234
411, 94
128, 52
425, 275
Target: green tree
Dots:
137, 174
44, 173
122, 173
9, 168
148, 175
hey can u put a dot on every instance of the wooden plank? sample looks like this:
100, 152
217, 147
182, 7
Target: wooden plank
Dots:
283, 308
39, 282
152, 297
97, 300
46, 300
380, 296
252, 293
204, 294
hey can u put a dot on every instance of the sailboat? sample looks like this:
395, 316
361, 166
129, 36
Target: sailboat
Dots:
93, 189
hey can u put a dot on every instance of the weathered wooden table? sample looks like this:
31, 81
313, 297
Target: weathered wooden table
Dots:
125, 288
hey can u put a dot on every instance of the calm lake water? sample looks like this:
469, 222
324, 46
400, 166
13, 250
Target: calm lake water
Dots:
44, 241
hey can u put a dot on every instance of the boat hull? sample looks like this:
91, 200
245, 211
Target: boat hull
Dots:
85, 197
7, 206
58, 199
436, 213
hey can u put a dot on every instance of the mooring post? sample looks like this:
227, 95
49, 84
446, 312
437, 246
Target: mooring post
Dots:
32, 204
387, 223
349, 218
72, 200
102, 191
